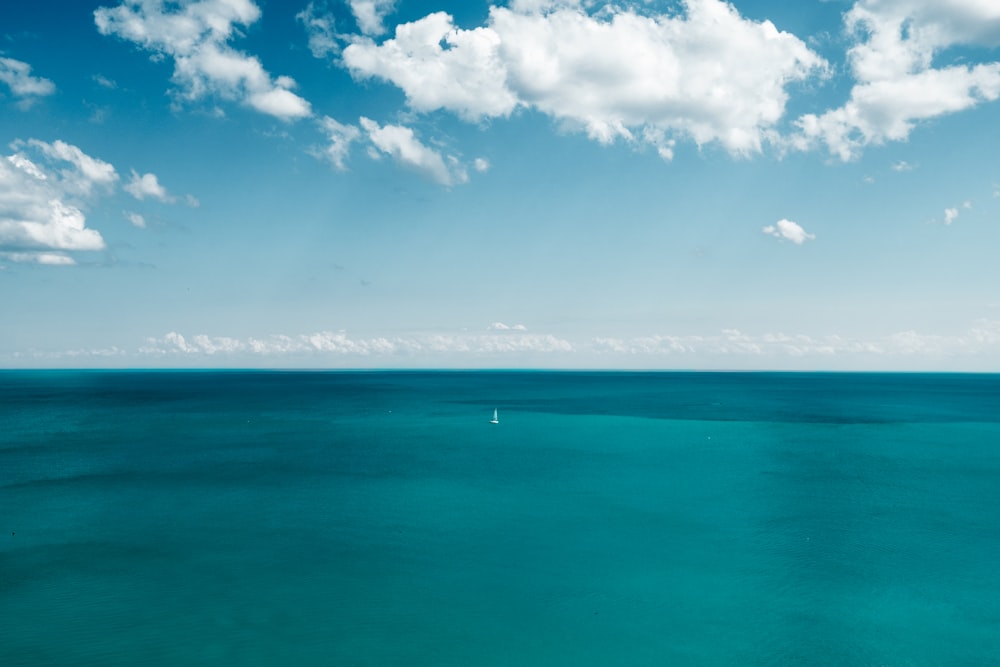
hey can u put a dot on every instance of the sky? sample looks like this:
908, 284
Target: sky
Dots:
642, 184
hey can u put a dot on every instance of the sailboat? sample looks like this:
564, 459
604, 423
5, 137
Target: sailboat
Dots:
495, 419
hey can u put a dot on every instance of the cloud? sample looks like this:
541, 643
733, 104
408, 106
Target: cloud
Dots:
42, 199
369, 14
481, 165
340, 138
44, 258
729, 348
897, 85
500, 326
321, 31
982, 338
708, 75
950, 215
789, 231
104, 82
147, 185
17, 76
196, 36
402, 145
902, 165
341, 344
439, 67
82, 174
135, 219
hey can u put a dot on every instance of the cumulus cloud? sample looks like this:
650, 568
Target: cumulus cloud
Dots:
17, 76
439, 67
147, 185
44, 188
402, 145
789, 231
898, 85
196, 35
708, 74
950, 215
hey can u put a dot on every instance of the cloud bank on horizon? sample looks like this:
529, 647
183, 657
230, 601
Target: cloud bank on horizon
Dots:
509, 346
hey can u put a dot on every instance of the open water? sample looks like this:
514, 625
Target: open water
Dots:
344, 518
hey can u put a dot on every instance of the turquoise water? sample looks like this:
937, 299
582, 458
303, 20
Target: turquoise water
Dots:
196, 518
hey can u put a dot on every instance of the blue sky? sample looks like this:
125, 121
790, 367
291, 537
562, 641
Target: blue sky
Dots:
552, 184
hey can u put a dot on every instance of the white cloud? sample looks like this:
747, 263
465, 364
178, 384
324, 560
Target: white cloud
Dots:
402, 145
196, 36
341, 344
500, 326
104, 82
983, 338
321, 30
136, 219
790, 231
481, 165
950, 215
83, 172
897, 85
42, 199
439, 67
708, 75
369, 14
340, 138
17, 76
902, 165
147, 185
44, 258
975, 348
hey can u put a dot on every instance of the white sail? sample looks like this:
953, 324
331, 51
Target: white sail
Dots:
496, 419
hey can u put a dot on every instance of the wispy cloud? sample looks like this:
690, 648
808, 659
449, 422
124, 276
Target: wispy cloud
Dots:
196, 35
340, 137
135, 219
104, 82
321, 30
369, 14
17, 76
402, 145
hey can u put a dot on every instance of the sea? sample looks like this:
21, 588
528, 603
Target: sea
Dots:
609, 518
